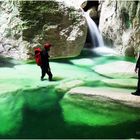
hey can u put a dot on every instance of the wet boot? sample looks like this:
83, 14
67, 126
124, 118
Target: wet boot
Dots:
136, 93
50, 77
41, 79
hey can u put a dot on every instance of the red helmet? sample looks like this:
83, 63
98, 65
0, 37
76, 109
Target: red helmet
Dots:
47, 45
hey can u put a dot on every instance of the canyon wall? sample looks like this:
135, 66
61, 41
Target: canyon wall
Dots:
120, 25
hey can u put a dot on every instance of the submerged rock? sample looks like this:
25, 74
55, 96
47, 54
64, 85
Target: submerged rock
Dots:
99, 106
83, 62
119, 96
122, 83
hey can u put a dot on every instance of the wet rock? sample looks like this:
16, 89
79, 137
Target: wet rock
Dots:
85, 62
129, 51
93, 13
67, 85
108, 94
99, 106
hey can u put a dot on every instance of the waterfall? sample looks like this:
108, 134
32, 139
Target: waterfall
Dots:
96, 37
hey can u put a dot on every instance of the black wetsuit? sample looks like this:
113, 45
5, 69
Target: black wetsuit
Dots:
138, 67
45, 67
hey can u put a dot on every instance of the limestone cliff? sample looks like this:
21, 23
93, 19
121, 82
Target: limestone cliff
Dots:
120, 24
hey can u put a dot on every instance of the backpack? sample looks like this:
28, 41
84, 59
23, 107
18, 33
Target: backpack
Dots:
38, 56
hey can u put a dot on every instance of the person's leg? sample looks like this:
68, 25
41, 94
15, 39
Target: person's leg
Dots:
49, 74
43, 72
138, 84
137, 92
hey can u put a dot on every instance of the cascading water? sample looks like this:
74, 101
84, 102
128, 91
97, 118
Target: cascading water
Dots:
96, 37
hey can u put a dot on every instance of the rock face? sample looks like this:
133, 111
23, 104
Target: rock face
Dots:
27, 24
120, 24
11, 43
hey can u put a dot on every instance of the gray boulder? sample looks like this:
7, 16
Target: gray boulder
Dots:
120, 23
29, 24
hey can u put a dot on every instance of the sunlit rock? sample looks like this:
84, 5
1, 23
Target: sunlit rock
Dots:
119, 22
119, 69
53, 21
108, 93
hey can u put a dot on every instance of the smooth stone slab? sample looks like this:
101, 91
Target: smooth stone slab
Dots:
119, 69
109, 93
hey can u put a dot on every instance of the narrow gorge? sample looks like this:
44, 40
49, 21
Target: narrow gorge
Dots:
95, 46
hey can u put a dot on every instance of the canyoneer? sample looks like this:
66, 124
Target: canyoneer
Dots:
137, 70
42, 60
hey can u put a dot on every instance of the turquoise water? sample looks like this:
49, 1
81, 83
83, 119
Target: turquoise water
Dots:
30, 108
51, 124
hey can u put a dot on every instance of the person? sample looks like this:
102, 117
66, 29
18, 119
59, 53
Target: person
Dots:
137, 70
45, 67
